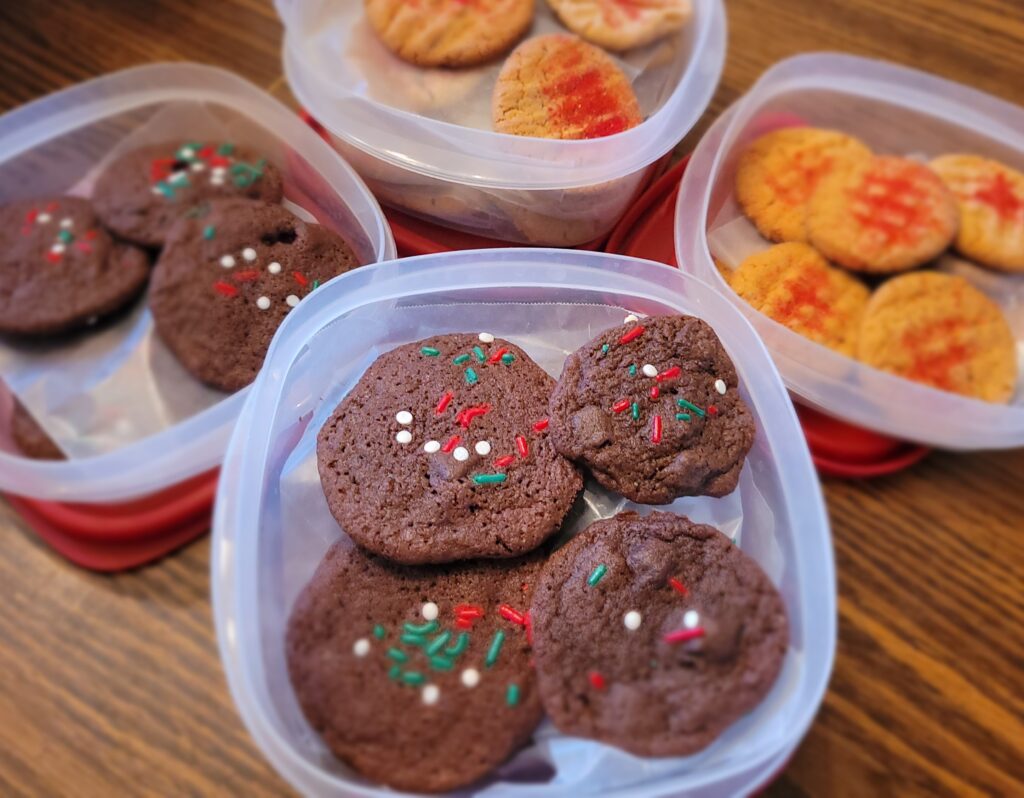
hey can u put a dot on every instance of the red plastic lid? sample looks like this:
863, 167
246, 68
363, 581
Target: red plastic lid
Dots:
117, 555
837, 448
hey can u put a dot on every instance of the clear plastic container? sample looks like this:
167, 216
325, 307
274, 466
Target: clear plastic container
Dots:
895, 110
272, 525
422, 140
113, 378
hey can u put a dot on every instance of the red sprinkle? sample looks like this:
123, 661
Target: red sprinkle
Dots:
31, 216
90, 235
656, 429
621, 405
443, 403
632, 335
510, 614
464, 623
504, 462
541, 425
300, 279
655, 392
497, 355
51, 206
225, 288
53, 257
246, 276
205, 152
450, 444
678, 586
84, 246
669, 374
469, 611
522, 446
596, 680
683, 635
712, 410
465, 416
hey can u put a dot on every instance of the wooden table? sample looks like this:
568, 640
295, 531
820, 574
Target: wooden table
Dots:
112, 685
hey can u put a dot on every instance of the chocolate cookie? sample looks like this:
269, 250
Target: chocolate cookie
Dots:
654, 634
441, 453
142, 193
419, 678
59, 270
30, 438
651, 408
226, 279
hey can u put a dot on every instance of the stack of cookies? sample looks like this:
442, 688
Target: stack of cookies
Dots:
561, 86
230, 260
437, 632
853, 227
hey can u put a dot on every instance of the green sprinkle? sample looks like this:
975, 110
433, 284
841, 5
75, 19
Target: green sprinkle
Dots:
597, 574
209, 232
395, 672
635, 411
489, 479
420, 629
378, 632
397, 655
441, 663
226, 148
512, 695
438, 643
471, 377
690, 406
316, 285
413, 677
682, 416
459, 646
492, 652
508, 358
632, 370
460, 360
66, 236
165, 189
604, 349
429, 351
413, 640
479, 354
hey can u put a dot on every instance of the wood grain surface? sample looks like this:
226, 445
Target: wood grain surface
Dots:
111, 685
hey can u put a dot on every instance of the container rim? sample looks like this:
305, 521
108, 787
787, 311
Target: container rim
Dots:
497, 160
235, 556
176, 453
980, 424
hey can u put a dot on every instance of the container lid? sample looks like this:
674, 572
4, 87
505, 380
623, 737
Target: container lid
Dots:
476, 157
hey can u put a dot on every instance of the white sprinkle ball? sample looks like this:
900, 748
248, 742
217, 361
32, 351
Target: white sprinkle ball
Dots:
187, 152
691, 619
471, 677
631, 620
217, 180
487, 338
649, 370
274, 267
219, 171
361, 647
429, 611
630, 319
227, 261
461, 453
483, 448
43, 218
292, 300
403, 417
432, 446
263, 303
56, 249
67, 222
431, 693
404, 436
249, 254
720, 386
156, 191
198, 166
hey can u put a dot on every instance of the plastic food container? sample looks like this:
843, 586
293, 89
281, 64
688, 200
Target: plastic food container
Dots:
894, 110
421, 138
272, 525
107, 398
